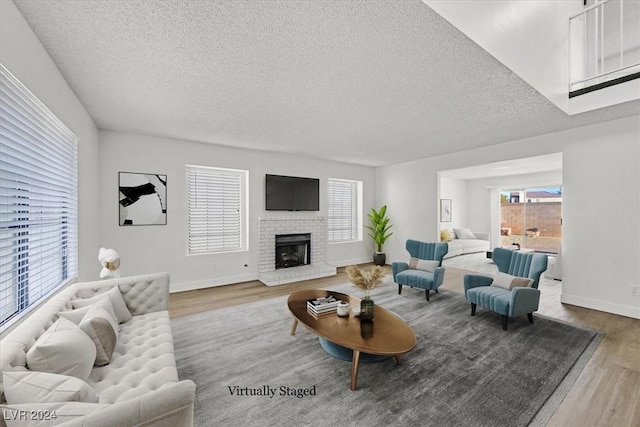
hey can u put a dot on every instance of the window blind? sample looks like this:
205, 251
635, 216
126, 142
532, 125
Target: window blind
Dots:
216, 209
342, 217
38, 201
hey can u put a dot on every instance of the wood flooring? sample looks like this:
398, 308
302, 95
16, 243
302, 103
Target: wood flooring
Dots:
607, 392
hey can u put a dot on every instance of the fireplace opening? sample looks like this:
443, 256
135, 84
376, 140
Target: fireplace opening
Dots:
293, 250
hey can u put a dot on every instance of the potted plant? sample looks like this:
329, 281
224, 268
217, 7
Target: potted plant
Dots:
366, 280
379, 231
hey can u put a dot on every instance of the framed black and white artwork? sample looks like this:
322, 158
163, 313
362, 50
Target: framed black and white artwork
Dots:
142, 198
445, 210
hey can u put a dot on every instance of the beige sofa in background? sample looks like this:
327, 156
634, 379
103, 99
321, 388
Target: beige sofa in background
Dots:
476, 242
140, 385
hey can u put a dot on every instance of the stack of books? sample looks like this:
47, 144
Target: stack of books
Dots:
322, 306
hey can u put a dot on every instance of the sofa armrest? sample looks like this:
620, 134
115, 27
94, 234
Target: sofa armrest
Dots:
523, 301
143, 294
481, 236
398, 267
476, 280
168, 406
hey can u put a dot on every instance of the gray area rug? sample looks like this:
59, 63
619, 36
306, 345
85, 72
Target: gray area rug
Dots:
464, 371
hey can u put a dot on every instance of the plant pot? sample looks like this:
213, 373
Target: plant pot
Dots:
366, 308
380, 258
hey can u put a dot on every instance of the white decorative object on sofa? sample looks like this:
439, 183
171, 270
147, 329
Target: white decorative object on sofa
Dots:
140, 384
466, 245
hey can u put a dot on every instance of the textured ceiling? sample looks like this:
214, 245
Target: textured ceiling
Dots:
373, 83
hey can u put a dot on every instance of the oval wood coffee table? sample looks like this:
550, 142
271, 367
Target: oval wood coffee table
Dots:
387, 334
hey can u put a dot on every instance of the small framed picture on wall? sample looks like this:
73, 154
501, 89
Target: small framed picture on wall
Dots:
445, 210
142, 198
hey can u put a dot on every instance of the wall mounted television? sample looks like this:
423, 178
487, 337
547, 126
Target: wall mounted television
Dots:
290, 193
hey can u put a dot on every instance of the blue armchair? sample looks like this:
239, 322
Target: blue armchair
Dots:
427, 280
508, 303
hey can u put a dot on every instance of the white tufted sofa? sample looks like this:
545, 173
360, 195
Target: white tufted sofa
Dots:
140, 385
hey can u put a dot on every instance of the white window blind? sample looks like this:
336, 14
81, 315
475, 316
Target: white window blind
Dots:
217, 213
342, 222
38, 201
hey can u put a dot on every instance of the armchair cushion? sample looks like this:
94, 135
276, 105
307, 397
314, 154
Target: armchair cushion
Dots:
422, 264
507, 281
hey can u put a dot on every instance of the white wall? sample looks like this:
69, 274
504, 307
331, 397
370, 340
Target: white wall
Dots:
146, 249
600, 164
456, 190
23, 55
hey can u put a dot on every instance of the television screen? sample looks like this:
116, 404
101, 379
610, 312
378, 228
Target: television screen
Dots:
289, 193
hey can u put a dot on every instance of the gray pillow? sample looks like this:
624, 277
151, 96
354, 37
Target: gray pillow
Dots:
119, 306
103, 330
76, 315
464, 233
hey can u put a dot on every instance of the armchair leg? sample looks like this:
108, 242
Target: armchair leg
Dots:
504, 322
473, 309
530, 316
436, 290
427, 291
399, 289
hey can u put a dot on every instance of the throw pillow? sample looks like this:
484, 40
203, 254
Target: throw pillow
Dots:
63, 349
103, 330
445, 236
76, 315
43, 387
63, 411
464, 233
119, 306
507, 281
423, 264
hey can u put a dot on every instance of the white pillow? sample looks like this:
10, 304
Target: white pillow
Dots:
103, 330
52, 414
423, 264
464, 233
43, 387
507, 281
76, 315
119, 306
63, 349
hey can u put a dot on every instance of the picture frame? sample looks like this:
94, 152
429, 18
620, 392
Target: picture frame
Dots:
445, 210
142, 199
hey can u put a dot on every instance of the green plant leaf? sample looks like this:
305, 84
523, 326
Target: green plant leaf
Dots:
379, 226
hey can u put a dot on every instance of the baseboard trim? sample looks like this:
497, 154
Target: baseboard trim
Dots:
356, 261
209, 283
607, 307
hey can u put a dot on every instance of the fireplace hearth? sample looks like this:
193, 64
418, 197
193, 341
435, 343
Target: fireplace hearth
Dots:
292, 250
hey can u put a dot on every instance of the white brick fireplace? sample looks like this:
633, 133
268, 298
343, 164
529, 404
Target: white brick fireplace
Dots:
269, 227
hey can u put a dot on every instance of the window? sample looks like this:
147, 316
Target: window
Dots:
38, 201
345, 211
217, 210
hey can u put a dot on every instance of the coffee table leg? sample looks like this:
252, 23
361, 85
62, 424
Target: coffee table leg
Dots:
295, 325
354, 369
398, 360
